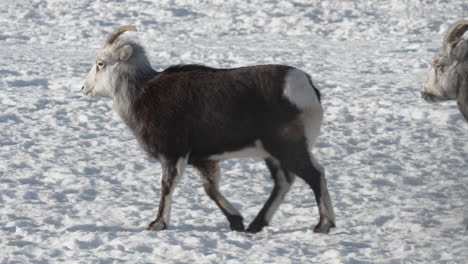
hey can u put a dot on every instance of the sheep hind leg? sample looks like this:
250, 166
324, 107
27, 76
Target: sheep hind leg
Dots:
282, 183
314, 177
210, 173
326, 212
295, 157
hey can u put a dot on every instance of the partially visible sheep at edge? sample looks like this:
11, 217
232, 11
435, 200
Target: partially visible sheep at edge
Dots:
448, 76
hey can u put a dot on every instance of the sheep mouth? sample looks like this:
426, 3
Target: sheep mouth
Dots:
87, 92
431, 98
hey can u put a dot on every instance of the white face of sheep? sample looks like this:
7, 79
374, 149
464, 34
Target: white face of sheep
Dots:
103, 77
449, 67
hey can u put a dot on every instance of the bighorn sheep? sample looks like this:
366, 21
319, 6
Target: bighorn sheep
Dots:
448, 77
197, 115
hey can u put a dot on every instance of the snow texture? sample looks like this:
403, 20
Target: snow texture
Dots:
76, 188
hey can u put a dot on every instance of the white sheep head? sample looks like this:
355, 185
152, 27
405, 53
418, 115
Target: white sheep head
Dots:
448, 76
112, 60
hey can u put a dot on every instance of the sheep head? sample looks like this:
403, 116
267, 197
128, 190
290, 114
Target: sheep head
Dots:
448, 76
112, 62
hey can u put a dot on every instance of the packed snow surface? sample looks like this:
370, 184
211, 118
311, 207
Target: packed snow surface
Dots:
76, 188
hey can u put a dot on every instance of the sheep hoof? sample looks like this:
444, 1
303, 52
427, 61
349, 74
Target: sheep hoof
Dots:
236, 223
256, 226
157, 226
238, 227
324, 227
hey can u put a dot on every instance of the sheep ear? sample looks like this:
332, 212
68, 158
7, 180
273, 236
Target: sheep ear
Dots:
125, 52
462, 101
459, 50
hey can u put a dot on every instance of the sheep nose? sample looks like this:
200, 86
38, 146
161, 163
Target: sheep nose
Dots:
82, 88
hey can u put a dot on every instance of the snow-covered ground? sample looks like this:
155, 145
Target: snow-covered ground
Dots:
76, 188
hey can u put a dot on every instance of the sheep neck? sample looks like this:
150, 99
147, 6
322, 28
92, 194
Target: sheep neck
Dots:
129, 91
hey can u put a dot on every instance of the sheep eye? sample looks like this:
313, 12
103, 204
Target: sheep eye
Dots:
439, 66
100, 64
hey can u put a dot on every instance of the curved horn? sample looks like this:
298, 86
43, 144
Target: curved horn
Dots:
456, 31
114, 35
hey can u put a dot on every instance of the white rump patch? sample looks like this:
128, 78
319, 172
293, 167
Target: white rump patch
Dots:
299, 91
